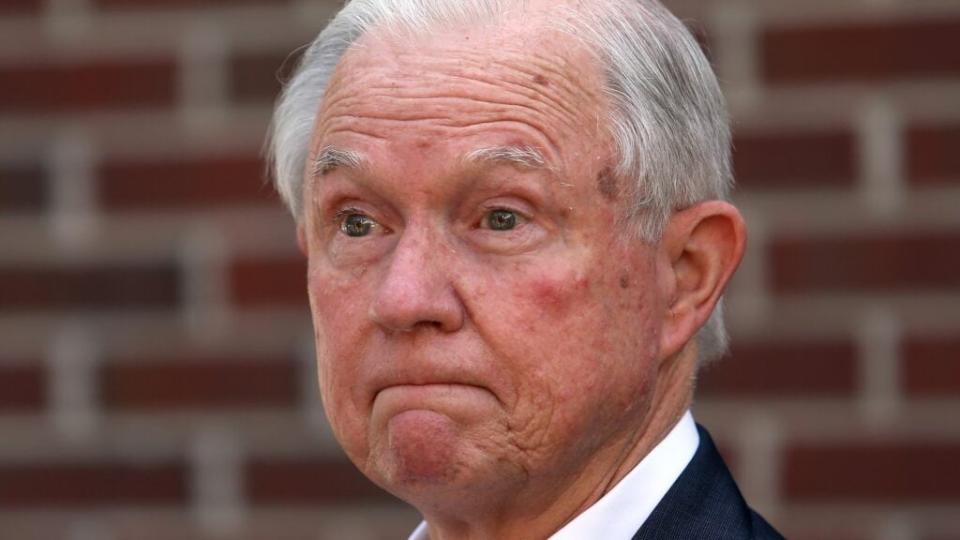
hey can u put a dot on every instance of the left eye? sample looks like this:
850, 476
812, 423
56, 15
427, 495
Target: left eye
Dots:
357, 225
501, 220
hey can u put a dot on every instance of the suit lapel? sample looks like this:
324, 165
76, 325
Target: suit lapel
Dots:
704, 503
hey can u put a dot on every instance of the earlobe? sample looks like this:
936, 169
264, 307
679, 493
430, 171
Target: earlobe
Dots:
703, 246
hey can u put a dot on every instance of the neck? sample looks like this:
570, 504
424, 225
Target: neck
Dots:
538, 513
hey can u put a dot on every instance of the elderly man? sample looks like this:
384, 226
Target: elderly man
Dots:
514, 217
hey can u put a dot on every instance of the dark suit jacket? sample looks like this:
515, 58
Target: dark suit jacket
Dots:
704, 503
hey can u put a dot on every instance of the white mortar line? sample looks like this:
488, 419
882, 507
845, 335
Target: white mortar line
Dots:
203, 76
88, 528
73, 217
734, 41
68, 20
202, 255
896, 526
311, 403
881, 157
216, 481
878, 343
733, 44
760, 439
752, 279
74, 405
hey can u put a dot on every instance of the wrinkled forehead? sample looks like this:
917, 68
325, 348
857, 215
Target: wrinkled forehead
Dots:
505, 68
537, 47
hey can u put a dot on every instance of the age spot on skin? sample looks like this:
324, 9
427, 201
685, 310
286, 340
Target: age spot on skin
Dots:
541, 80
607, 184
624, 282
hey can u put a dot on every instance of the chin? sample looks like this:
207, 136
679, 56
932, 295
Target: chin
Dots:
420, 448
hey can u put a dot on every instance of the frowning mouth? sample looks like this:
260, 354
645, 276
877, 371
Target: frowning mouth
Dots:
439, 387
415, 395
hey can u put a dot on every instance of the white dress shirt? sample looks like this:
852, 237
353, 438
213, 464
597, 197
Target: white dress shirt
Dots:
623, 510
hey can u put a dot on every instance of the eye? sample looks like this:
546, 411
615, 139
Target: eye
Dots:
501, 220
355, 224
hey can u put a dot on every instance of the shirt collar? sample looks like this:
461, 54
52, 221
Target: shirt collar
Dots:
621, 512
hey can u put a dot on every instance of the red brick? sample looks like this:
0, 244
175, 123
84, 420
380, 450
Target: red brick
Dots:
308, 481
931, 367
811, 159
86, 86
885, 262
22, 188
88, 287
933, 153
22, 388
173, 4
187, 183
873, 472
864, 52
783, 370
85, 485
257, 77
21, 7
199, 383
257, 282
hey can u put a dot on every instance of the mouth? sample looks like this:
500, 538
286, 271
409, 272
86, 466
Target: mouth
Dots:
439, 395
430, 388
434, 379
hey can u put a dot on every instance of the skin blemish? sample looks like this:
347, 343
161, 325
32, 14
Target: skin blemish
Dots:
541, 80
607, 184
555, 295
624, 282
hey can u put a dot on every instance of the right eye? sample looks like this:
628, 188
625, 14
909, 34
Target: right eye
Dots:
501, 220
355, 224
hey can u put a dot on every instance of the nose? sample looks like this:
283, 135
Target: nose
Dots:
416, 290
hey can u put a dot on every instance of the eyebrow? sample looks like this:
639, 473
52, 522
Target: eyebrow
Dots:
523, 156
331, 157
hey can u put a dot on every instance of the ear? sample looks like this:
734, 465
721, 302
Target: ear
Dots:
699, 251
302, 239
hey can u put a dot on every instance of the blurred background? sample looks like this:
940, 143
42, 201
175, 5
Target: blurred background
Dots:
156, 376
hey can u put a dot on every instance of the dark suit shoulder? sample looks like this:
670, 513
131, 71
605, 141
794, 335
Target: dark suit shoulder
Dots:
705, 503
761, 529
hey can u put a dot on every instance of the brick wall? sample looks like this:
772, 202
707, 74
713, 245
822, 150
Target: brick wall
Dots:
155, 366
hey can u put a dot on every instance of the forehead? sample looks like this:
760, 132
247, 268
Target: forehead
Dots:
531, 84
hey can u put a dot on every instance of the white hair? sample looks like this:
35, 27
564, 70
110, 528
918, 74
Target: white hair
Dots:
668, 120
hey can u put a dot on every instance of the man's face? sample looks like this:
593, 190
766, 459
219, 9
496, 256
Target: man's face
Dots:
483, 324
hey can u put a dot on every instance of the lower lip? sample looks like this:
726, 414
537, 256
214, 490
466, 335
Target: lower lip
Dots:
439, 396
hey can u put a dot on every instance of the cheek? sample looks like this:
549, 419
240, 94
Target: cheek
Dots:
338, 312
339, 299
546, 322
526, 303
577, 323
554, 295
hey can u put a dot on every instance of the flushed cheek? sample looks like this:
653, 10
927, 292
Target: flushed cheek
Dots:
562, 303
545, 327
569, 333
555, 295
